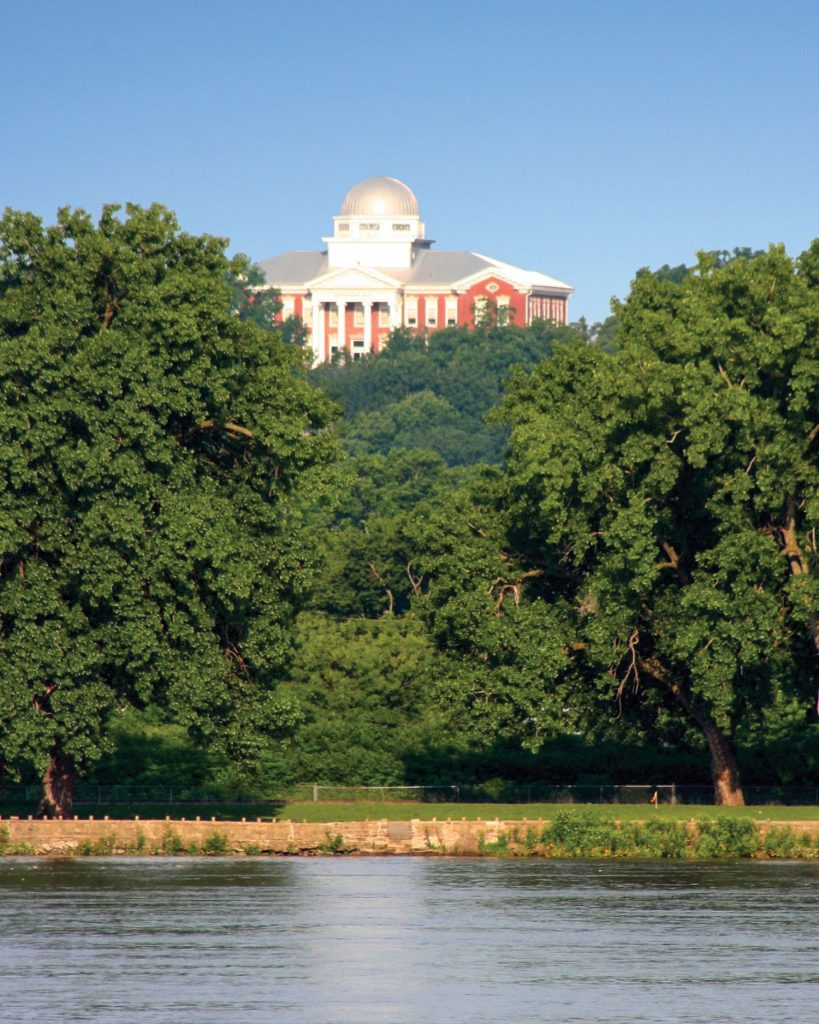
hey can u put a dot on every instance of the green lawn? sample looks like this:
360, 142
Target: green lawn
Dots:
402, 810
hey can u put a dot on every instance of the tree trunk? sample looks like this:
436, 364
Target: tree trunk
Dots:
58, 787
724, 766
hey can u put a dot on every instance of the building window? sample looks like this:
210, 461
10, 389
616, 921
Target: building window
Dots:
358, 343
288, 307
383, 314
369, 226
306, 310
451, 312
344, 227
333, 313
400, 227
412, 312
358, 314
505, 311
432, 312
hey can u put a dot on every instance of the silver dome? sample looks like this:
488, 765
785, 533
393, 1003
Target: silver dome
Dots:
380, 197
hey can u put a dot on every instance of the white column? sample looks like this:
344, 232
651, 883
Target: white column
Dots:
317, 332
394, 307
341, 306
368, 325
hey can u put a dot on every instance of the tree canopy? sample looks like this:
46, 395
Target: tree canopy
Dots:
654, 531
616, 569
157, 453
434, 391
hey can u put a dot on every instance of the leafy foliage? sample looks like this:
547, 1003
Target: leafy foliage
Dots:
248, 301
370, 692
156, 454
433, 392
654, 527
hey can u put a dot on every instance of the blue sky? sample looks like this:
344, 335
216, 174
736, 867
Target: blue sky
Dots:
583, 139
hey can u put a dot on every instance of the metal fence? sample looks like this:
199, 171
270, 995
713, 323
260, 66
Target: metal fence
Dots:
87, 794
555, 793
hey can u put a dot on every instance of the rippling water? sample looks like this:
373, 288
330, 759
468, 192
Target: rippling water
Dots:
398, 940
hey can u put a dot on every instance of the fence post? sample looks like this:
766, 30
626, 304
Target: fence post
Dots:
673, 793
315, 792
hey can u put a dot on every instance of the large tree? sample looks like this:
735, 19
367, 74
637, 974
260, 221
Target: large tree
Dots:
156, 454
655, 527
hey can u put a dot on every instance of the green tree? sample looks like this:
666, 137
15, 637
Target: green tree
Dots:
157, 454
653, 535
369, 691
248, 300
434, 391
423, 420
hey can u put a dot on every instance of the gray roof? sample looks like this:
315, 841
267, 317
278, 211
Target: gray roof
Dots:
431, 268
294, 267
444, 267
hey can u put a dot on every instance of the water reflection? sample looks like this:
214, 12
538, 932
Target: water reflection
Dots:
406, 940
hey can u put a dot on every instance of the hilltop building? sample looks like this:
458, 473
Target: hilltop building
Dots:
379, 271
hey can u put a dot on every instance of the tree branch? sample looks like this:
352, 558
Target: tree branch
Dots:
390, 598
231, 427
674, 563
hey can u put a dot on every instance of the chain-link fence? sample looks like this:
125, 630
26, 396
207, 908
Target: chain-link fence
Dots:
496, 791
555, 793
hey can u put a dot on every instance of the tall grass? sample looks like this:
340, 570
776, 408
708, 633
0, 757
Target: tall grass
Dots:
572, 834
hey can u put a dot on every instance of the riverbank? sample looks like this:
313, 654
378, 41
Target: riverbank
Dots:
570, 833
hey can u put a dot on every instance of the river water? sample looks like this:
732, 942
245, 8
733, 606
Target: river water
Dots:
396, 940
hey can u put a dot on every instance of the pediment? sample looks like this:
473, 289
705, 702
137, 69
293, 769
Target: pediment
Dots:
353, 279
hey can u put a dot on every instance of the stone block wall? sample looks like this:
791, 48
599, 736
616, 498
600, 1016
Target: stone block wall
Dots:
90, 835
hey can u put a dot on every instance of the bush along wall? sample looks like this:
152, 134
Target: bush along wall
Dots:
578, 835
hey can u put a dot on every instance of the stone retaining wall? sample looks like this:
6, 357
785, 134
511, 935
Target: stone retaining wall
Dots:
66, 837
277, 837
414, 837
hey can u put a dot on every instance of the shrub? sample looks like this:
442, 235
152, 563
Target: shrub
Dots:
216, 845
578, 834
333, 844
103, 847
726, 838
660, 839
785, 843
139, 845
500, 848
172, 843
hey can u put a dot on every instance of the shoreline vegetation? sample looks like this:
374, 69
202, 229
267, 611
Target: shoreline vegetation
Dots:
567, 834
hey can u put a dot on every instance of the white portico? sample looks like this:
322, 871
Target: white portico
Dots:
344, 305
378, 272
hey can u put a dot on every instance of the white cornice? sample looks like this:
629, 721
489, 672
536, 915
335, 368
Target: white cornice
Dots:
368, 276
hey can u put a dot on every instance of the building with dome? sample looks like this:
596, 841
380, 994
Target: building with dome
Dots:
379, 271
